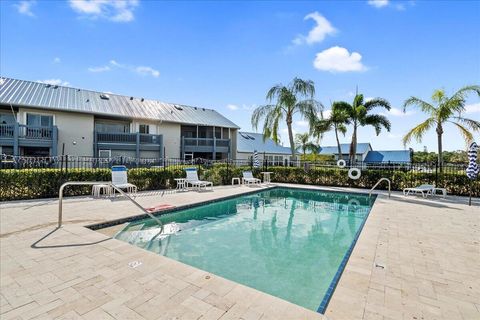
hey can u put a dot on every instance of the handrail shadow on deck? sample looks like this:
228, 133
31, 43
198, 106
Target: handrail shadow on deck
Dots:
35, 244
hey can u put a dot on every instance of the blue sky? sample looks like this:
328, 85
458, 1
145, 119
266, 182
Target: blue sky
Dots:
226, 55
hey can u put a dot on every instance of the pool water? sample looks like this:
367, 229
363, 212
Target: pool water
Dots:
287, 242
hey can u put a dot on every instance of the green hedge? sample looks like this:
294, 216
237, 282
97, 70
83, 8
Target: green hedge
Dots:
44, 183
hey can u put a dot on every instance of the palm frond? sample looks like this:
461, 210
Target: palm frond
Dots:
378, 122
419, 103
467, 135
261, 112
304, 88
418, 131
275, 91
377, 103
470, 123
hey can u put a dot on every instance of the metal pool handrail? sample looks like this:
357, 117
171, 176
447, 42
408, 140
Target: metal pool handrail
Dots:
92, 183
378, 182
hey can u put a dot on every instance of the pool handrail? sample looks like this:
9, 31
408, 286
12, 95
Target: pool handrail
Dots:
378, 182
92, 183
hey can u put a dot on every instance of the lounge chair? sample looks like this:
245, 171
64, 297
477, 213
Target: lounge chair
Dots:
120, 180
424, 189
193, 180
248, 178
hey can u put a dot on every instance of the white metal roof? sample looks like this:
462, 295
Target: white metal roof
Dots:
40, 95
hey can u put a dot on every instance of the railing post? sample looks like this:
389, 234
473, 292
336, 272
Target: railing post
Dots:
16, 129
66, 163
214, 152
54, 140
137, 149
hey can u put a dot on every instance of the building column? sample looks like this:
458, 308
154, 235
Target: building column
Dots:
16, 128
137, 147
214, 152
53, 151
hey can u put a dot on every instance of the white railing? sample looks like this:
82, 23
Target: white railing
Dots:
92, 183
378, 182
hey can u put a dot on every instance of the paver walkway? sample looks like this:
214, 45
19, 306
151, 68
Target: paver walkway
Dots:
415, 259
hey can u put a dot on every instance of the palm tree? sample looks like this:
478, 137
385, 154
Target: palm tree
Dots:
443, 110
302, 142
358, 116
337, 120
297, 97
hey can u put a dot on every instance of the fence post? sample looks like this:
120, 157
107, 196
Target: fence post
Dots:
66, 163
226, 180
436, 173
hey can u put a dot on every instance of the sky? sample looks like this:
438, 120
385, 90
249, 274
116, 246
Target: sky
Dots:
226, 55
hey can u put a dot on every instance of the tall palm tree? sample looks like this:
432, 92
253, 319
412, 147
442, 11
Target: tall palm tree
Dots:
302, 142
443, 110
358, 116
297, 97
337, 121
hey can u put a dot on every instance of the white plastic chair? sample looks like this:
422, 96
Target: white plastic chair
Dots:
193, 180
248, 178
120, 179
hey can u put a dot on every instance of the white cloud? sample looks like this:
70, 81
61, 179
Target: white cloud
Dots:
338, 59
301, 123
322, 28
55, 82
113, 10
232, 107
147, 71
395, 112
57, 60
472, 108
99, 69
25, 7
327, 113
378, 3
395, 136
141, 70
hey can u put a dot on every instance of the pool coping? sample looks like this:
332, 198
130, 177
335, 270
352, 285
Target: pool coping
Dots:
335, 280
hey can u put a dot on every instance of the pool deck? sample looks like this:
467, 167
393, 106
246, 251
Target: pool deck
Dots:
415, 259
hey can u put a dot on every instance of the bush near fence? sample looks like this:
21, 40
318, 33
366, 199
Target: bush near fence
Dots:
17, 184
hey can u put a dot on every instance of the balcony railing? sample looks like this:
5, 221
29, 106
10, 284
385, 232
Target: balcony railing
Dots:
206, 142
128, 138
7, 131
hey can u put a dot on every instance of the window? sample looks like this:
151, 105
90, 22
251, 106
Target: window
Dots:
218, 133
104, 153
7, 118
144, 128
112, 127
39, 120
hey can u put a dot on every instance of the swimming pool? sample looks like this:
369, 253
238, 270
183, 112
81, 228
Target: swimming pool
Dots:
290, 243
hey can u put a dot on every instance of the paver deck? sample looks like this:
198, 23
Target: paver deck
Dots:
415, 259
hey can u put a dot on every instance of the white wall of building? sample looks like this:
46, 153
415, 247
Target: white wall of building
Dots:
74, 129
171, 138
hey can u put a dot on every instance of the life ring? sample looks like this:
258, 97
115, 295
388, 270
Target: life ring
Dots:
354, 173
353, 202
341, 163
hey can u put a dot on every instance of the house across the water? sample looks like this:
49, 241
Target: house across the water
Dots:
365, 153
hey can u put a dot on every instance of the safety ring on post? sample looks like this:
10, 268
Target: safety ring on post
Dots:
341, 163
354, 173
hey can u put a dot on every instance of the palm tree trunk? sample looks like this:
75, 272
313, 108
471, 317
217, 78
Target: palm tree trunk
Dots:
338, 144
353, 145
290, 135
440, 147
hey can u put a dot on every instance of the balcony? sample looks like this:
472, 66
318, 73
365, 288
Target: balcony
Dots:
205, 145
129, 141
21, 135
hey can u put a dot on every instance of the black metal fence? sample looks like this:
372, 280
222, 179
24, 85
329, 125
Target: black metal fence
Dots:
19, 183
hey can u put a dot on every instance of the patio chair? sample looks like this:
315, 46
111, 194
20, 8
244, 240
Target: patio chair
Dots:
120, 180
193, 180
248, 178
424, 189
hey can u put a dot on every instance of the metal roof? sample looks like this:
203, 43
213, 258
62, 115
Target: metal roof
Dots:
249, 142
59, 98
345, 147
388, 156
